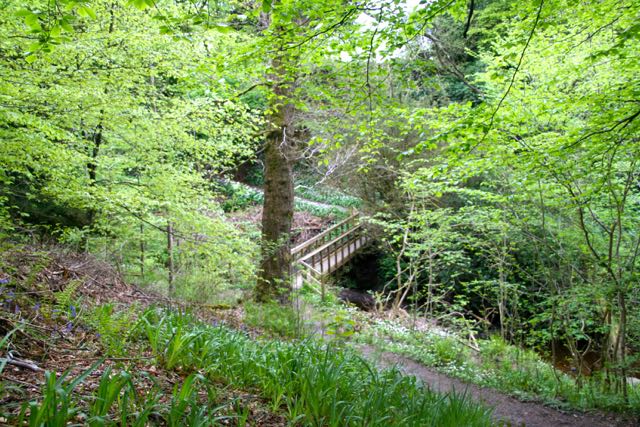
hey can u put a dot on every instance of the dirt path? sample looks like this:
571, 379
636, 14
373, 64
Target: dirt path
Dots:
506, 409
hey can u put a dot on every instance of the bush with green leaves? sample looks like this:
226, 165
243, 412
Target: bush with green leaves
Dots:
240, 196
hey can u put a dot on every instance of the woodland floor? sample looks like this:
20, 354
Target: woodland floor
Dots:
57, 348
506, 409
53, 346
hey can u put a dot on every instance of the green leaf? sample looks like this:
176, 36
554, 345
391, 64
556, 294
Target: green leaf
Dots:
266, 6
140, 4
22, 13
66, 26
55, 31
70, 5
86, 11
32, 21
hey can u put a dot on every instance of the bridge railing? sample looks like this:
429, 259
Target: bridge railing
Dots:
312, 277
311, 245
328, 257
327, 251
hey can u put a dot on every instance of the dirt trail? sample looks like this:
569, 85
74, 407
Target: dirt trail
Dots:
506, 409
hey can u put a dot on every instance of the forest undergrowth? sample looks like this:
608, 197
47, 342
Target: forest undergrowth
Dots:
494, 363
81, 347
488, 362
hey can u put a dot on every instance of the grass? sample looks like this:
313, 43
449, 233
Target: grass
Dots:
510, 369
313, 383
273, 318
117, 401
306, 381
321, 211
57, 406
302, 382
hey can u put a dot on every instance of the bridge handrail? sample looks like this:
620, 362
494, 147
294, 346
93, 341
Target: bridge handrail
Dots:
309, 244
336, 242
328, 245
313, 270
313, 277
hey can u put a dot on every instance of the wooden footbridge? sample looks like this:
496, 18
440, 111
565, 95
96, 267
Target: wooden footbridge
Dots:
323, 254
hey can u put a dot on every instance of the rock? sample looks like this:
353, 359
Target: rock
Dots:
360, 299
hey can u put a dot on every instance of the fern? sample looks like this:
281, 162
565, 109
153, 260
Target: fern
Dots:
64, 298
113, 327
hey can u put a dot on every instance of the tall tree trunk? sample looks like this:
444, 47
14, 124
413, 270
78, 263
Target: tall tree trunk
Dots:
277, 214
92, 164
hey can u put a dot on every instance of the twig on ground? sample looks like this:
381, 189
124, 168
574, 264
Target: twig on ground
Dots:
35, 387
27, 364
115, 359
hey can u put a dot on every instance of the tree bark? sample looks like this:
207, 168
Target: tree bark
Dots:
277, 215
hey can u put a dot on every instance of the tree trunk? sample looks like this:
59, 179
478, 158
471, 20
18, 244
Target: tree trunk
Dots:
92, 164
622, 344
277, 215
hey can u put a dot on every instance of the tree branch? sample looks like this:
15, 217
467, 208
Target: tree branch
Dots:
469, 16
624, 122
